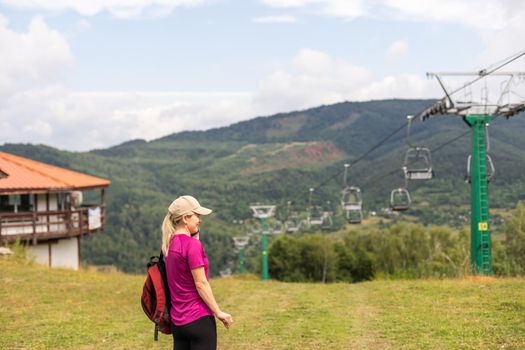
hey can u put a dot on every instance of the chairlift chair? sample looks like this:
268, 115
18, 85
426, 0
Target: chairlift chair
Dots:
327, 223
418, 164
293, 224
276, 228
351, 199
354, 216
400, 199
315, 216
352, 204
490, 169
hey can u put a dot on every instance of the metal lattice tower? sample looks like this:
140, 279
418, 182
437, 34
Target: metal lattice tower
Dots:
478, 115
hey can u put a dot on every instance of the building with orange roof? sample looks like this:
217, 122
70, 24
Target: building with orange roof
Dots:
42, 206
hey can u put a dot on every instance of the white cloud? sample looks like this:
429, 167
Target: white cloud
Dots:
83, 24
475, 13
88, 120
82, 121
276, 19
397, 49
118, 8
348, 9
399, 86
493, 14
318, 78
35, 107
288, 3
58, 117
32, 59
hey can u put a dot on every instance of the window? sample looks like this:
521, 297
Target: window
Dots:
15, 203
5, 204
26, 202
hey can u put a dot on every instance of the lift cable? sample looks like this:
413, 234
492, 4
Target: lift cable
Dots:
482, 73
434, 150
379, 144
360, 158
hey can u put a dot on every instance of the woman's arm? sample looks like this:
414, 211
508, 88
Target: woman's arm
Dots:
205, 292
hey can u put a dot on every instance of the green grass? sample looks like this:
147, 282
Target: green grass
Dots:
61, 309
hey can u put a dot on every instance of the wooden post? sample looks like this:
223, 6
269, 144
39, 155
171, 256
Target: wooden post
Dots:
67, 207
102, 208
50, 253
34, 228
80, 220
78, 252
47, 209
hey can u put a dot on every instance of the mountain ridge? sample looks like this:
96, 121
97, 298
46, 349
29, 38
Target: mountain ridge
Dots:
277, 159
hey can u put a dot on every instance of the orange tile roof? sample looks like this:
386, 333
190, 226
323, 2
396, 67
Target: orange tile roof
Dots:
26, 175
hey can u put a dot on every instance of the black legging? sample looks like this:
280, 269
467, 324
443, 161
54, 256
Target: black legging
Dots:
200, 334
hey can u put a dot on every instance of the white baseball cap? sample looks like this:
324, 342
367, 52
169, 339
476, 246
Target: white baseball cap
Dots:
185, 205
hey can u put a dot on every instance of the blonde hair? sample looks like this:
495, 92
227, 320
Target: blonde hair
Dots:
168, 230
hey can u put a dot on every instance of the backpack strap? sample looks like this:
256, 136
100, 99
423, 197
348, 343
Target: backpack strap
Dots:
164, 273
163, 309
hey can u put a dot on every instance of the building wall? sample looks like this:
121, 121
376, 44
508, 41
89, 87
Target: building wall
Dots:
64, 253
40, 253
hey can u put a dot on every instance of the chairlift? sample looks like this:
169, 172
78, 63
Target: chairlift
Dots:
352, 204
315, 215
241, 241
315, 212
276, 227
400, 199
351, 201
293, 224
327, 223
490, 169
418, 163
354, 216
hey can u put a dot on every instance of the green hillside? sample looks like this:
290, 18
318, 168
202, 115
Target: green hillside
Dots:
277, 159
61, 309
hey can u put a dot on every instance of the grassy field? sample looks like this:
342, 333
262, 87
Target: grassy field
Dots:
61, 309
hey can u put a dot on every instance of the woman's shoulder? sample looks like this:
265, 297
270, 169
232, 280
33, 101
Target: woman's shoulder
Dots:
194, 242
187, 242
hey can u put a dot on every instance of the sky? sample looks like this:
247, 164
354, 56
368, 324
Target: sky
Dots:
86, 74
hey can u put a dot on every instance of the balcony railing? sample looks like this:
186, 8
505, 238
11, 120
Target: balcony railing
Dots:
45, 225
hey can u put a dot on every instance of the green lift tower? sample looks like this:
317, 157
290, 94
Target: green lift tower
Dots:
478, 115
263, 212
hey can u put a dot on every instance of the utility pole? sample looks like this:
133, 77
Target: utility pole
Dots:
263, 212
478, 115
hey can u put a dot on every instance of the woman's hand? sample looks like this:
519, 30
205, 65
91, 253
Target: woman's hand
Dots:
225, 318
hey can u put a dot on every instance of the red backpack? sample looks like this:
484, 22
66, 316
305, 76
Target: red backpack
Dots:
156, 300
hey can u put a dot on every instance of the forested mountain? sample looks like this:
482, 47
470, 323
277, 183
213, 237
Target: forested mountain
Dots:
277, 159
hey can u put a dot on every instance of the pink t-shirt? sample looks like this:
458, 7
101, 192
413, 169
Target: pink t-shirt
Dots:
185, 254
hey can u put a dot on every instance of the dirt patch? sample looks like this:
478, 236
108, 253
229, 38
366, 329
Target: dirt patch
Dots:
295, 155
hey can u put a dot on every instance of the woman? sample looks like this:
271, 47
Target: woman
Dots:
193, 306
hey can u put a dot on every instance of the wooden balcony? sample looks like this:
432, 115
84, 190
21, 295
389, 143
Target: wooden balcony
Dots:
49, 225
